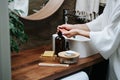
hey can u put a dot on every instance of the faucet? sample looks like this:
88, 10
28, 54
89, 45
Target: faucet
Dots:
65, 16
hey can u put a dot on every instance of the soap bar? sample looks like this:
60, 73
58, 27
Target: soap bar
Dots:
48, 54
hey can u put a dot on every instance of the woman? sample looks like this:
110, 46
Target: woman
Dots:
104, 33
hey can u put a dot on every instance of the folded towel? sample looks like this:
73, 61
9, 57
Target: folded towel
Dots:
77, 76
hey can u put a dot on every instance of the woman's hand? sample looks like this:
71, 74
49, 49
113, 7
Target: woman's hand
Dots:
75, 26
70, 30
70, 33
65, 27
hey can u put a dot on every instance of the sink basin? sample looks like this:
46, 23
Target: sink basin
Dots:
82, 45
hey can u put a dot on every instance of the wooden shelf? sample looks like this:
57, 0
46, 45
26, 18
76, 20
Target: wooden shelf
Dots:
25, 65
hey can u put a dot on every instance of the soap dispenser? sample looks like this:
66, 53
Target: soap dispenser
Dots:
60, 43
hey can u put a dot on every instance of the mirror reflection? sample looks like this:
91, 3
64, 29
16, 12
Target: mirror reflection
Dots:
36, 5
26, 7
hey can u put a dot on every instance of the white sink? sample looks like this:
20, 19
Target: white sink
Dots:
79, 44
82, 45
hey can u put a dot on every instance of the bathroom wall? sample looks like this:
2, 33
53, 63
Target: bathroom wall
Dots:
40, 32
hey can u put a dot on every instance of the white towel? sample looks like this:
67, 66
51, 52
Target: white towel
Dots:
20, 5
77, 76
87, 5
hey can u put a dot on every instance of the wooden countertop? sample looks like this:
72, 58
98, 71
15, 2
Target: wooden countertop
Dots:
25, 65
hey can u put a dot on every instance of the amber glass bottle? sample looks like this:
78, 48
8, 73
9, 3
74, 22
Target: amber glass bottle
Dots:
60, 43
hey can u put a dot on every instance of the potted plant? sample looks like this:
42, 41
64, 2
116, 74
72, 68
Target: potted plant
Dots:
17, 33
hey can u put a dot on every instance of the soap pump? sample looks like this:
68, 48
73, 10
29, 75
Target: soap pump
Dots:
60, 43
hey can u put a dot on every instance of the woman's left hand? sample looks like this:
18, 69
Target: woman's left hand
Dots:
70, 33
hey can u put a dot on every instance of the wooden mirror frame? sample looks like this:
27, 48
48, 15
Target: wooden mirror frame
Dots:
51, 7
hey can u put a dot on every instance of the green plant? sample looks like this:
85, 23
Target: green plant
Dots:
17, 34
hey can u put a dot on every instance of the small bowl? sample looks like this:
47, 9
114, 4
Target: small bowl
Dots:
68, 58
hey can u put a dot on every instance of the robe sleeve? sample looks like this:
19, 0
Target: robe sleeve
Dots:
95, 25
107, 41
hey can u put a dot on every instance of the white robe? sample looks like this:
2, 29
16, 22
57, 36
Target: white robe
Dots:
105, 36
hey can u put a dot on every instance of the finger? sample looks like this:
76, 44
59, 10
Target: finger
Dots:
63, 30
68, 36
66, 33
61, 27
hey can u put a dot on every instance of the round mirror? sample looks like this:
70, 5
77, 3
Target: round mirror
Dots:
35, 9
44, 9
